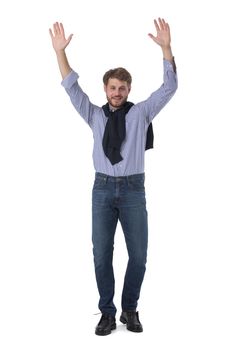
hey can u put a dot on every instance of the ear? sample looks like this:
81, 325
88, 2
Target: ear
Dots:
105, 88
129, 87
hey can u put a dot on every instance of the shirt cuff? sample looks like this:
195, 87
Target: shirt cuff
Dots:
70, 79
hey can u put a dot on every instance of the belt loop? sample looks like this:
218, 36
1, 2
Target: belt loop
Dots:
106, 179
127, 180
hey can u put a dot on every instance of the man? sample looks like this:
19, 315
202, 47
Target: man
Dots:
122, 131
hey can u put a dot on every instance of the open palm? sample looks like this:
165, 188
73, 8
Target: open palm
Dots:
59, 40
163, 37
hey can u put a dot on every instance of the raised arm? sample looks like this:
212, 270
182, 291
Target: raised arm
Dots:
163, 38
60, 43
159, 98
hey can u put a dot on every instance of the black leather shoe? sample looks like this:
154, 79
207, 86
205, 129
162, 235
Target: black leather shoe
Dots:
131, 319
106, 324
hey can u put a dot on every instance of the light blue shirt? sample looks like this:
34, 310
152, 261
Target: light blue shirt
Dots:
137, 121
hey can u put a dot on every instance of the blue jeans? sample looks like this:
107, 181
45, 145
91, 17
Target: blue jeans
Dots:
120, 198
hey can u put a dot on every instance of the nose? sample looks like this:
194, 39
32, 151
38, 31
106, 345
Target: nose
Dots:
117, 92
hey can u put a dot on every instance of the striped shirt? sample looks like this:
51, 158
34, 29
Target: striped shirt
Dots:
137, 121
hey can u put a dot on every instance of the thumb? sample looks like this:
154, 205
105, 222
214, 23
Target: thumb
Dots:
69, 38
153, 38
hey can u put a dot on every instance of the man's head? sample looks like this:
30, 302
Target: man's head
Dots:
117, 85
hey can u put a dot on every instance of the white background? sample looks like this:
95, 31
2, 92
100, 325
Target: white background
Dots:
48, 293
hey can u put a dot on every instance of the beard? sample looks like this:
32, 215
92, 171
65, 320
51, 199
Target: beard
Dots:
116, 102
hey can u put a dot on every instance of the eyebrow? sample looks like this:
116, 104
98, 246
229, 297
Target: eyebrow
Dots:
121, 86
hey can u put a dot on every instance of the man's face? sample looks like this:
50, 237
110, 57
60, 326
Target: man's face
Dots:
117, 92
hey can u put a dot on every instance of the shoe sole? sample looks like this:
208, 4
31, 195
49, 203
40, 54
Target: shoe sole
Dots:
105, 332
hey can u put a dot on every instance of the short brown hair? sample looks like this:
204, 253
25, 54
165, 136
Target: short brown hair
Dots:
118, 73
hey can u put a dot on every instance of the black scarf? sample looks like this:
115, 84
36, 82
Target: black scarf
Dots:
114, 133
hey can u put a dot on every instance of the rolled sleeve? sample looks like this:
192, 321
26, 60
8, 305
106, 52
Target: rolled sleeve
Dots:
169, 66
79, 99
170, 76
69, 80
159, 98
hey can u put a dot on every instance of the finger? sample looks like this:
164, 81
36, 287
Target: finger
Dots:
165, 24
69, 38
152, 37
161, 24
62, 29
51, 33
156, 25
56, 28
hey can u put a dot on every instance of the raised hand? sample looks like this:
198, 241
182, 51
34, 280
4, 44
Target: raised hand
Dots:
59, 40
163, 37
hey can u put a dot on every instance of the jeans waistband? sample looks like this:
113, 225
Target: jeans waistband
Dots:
119, 178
